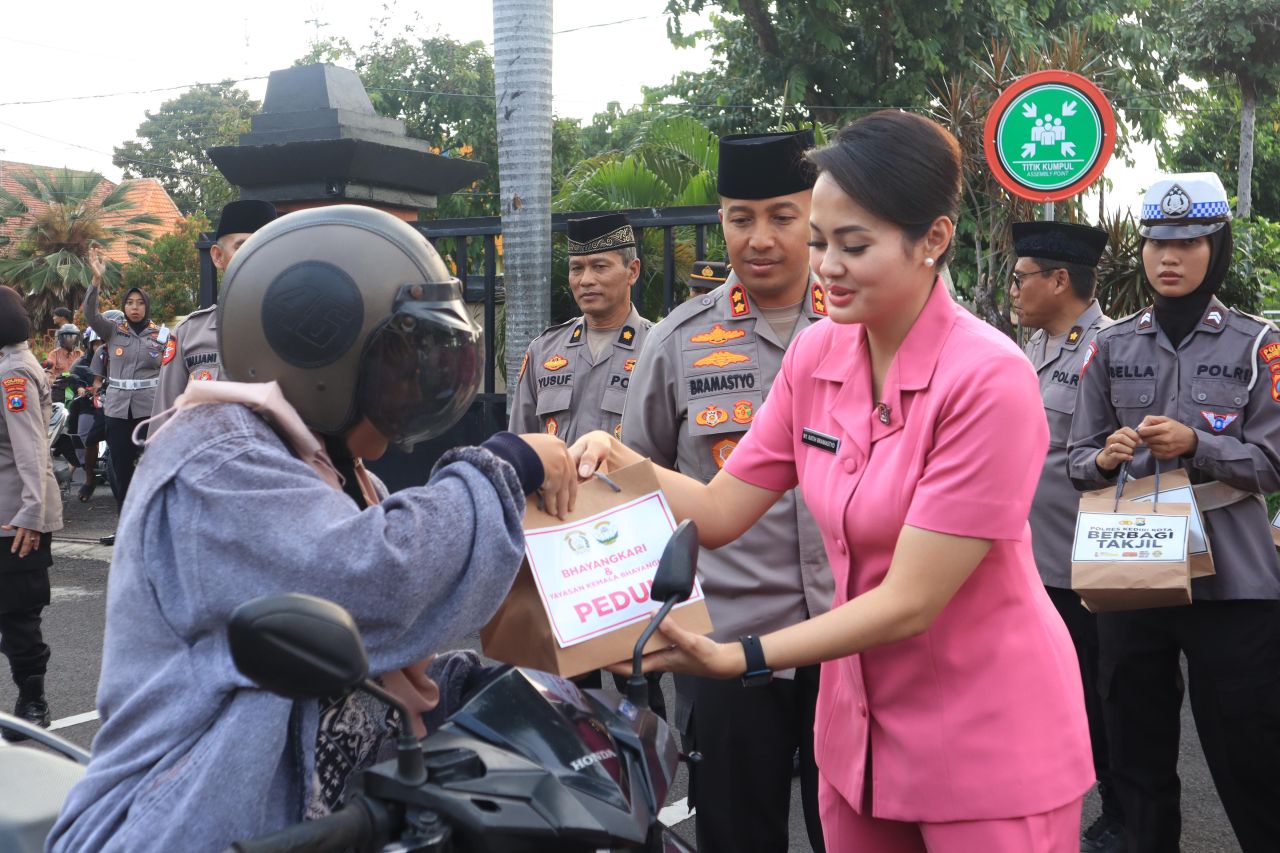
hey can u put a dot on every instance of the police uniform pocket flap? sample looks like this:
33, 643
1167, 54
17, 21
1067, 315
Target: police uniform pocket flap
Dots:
612, 400
1060, 398
554, 400
723, 414
1133, 393
1219, 393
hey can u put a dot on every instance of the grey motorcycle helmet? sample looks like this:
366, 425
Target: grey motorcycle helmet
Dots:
69, 330
355, 315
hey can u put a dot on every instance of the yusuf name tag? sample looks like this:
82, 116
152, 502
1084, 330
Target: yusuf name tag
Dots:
820, 440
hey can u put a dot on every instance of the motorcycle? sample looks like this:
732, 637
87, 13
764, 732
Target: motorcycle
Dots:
528, 763
64, 438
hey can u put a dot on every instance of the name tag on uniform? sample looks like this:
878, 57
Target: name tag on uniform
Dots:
820, 440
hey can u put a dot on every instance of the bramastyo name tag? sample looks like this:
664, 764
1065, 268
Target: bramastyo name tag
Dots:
1108, 537
820, 440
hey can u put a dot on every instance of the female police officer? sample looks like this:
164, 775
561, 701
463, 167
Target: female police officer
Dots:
30, 508
340, 329
1191, 383
134, 349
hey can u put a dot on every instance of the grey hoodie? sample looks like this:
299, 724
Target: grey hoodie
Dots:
191, 756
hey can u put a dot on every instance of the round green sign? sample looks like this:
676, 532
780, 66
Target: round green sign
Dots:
1049, 135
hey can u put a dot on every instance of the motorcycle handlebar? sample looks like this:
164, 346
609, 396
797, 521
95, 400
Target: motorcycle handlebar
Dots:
352, 827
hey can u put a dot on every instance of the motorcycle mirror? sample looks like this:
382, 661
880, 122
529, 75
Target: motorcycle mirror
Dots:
297, 646
676, 567
672, 584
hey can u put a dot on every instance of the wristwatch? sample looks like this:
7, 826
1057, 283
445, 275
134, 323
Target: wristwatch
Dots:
758, 672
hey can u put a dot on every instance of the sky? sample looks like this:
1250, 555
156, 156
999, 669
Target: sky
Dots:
82, 64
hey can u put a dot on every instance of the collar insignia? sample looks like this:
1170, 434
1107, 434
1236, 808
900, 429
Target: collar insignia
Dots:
1146, 319
738, 304
1213, 318
576, 337
819, 299
718, 335
628, 335
1074, 334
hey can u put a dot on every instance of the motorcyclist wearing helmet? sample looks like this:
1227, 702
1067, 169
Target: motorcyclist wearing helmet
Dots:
64, 355
342, 332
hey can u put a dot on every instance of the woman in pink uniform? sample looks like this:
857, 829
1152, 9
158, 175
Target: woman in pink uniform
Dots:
950, 715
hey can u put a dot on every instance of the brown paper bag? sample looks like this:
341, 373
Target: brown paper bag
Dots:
1171, 485
1131, 555
522, 633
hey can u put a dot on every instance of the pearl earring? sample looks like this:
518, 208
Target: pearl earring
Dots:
928, 262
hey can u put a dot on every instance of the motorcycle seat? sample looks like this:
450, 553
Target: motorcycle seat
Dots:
35, 784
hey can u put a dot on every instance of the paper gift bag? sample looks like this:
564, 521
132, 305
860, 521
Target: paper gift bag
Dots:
1175, 488
580, 599
1275, 530
1131, 555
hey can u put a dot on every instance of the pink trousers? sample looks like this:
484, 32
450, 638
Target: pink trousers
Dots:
846, 831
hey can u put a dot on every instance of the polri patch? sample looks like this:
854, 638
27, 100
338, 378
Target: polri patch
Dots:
170, 350
1269, 352
523, 364
820, 440
15, 393
1088, 357
1217, 421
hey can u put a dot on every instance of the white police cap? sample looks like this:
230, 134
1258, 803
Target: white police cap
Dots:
1191, 204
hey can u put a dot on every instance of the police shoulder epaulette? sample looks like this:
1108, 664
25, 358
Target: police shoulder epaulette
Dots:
1270, 324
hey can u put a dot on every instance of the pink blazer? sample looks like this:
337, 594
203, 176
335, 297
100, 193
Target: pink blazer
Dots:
981, 717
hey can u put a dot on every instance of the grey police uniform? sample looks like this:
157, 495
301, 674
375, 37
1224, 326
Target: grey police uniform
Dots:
704, 373
564, 391
29, 498
1053, 513
190, 355
1222, 382
133, 361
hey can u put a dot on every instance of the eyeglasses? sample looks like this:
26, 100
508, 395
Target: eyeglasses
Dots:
1020, 277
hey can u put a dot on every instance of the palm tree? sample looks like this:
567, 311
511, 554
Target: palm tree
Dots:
522, 83
46, 260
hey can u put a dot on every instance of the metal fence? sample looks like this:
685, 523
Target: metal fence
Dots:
478, 271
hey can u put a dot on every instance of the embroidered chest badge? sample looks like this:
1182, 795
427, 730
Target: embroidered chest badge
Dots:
721, 450
743, 412
553, 426
712, 416
721, 358
1218, 422
555, 362
629, 365
718, 335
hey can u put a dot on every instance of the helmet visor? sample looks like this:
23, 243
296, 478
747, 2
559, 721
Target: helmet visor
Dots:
422, 368
1163, 229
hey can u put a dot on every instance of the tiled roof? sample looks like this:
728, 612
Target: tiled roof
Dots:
147, 194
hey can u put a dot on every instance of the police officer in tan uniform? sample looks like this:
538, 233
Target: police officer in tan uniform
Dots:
1191, 383
1052, 292
575, 376
191, 353
704, 373
30, 509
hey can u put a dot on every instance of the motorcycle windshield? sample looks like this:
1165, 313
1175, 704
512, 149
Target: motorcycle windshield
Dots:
560, 732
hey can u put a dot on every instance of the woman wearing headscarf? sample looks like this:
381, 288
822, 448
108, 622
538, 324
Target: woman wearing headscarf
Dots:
1189, 383
135, 347
950, 717
30, 509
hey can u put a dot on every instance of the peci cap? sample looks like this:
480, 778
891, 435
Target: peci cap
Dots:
708, 275
597, 234
765, 165
1059, 241
244, 217
1191, 204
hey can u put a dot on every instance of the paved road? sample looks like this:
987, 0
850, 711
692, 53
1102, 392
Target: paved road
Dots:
74, 626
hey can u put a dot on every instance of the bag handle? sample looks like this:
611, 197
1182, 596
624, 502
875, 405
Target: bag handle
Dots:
1120, 478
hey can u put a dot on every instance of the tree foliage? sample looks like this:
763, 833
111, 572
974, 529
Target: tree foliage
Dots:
171, 144
47, 261
169, 270
831, 61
